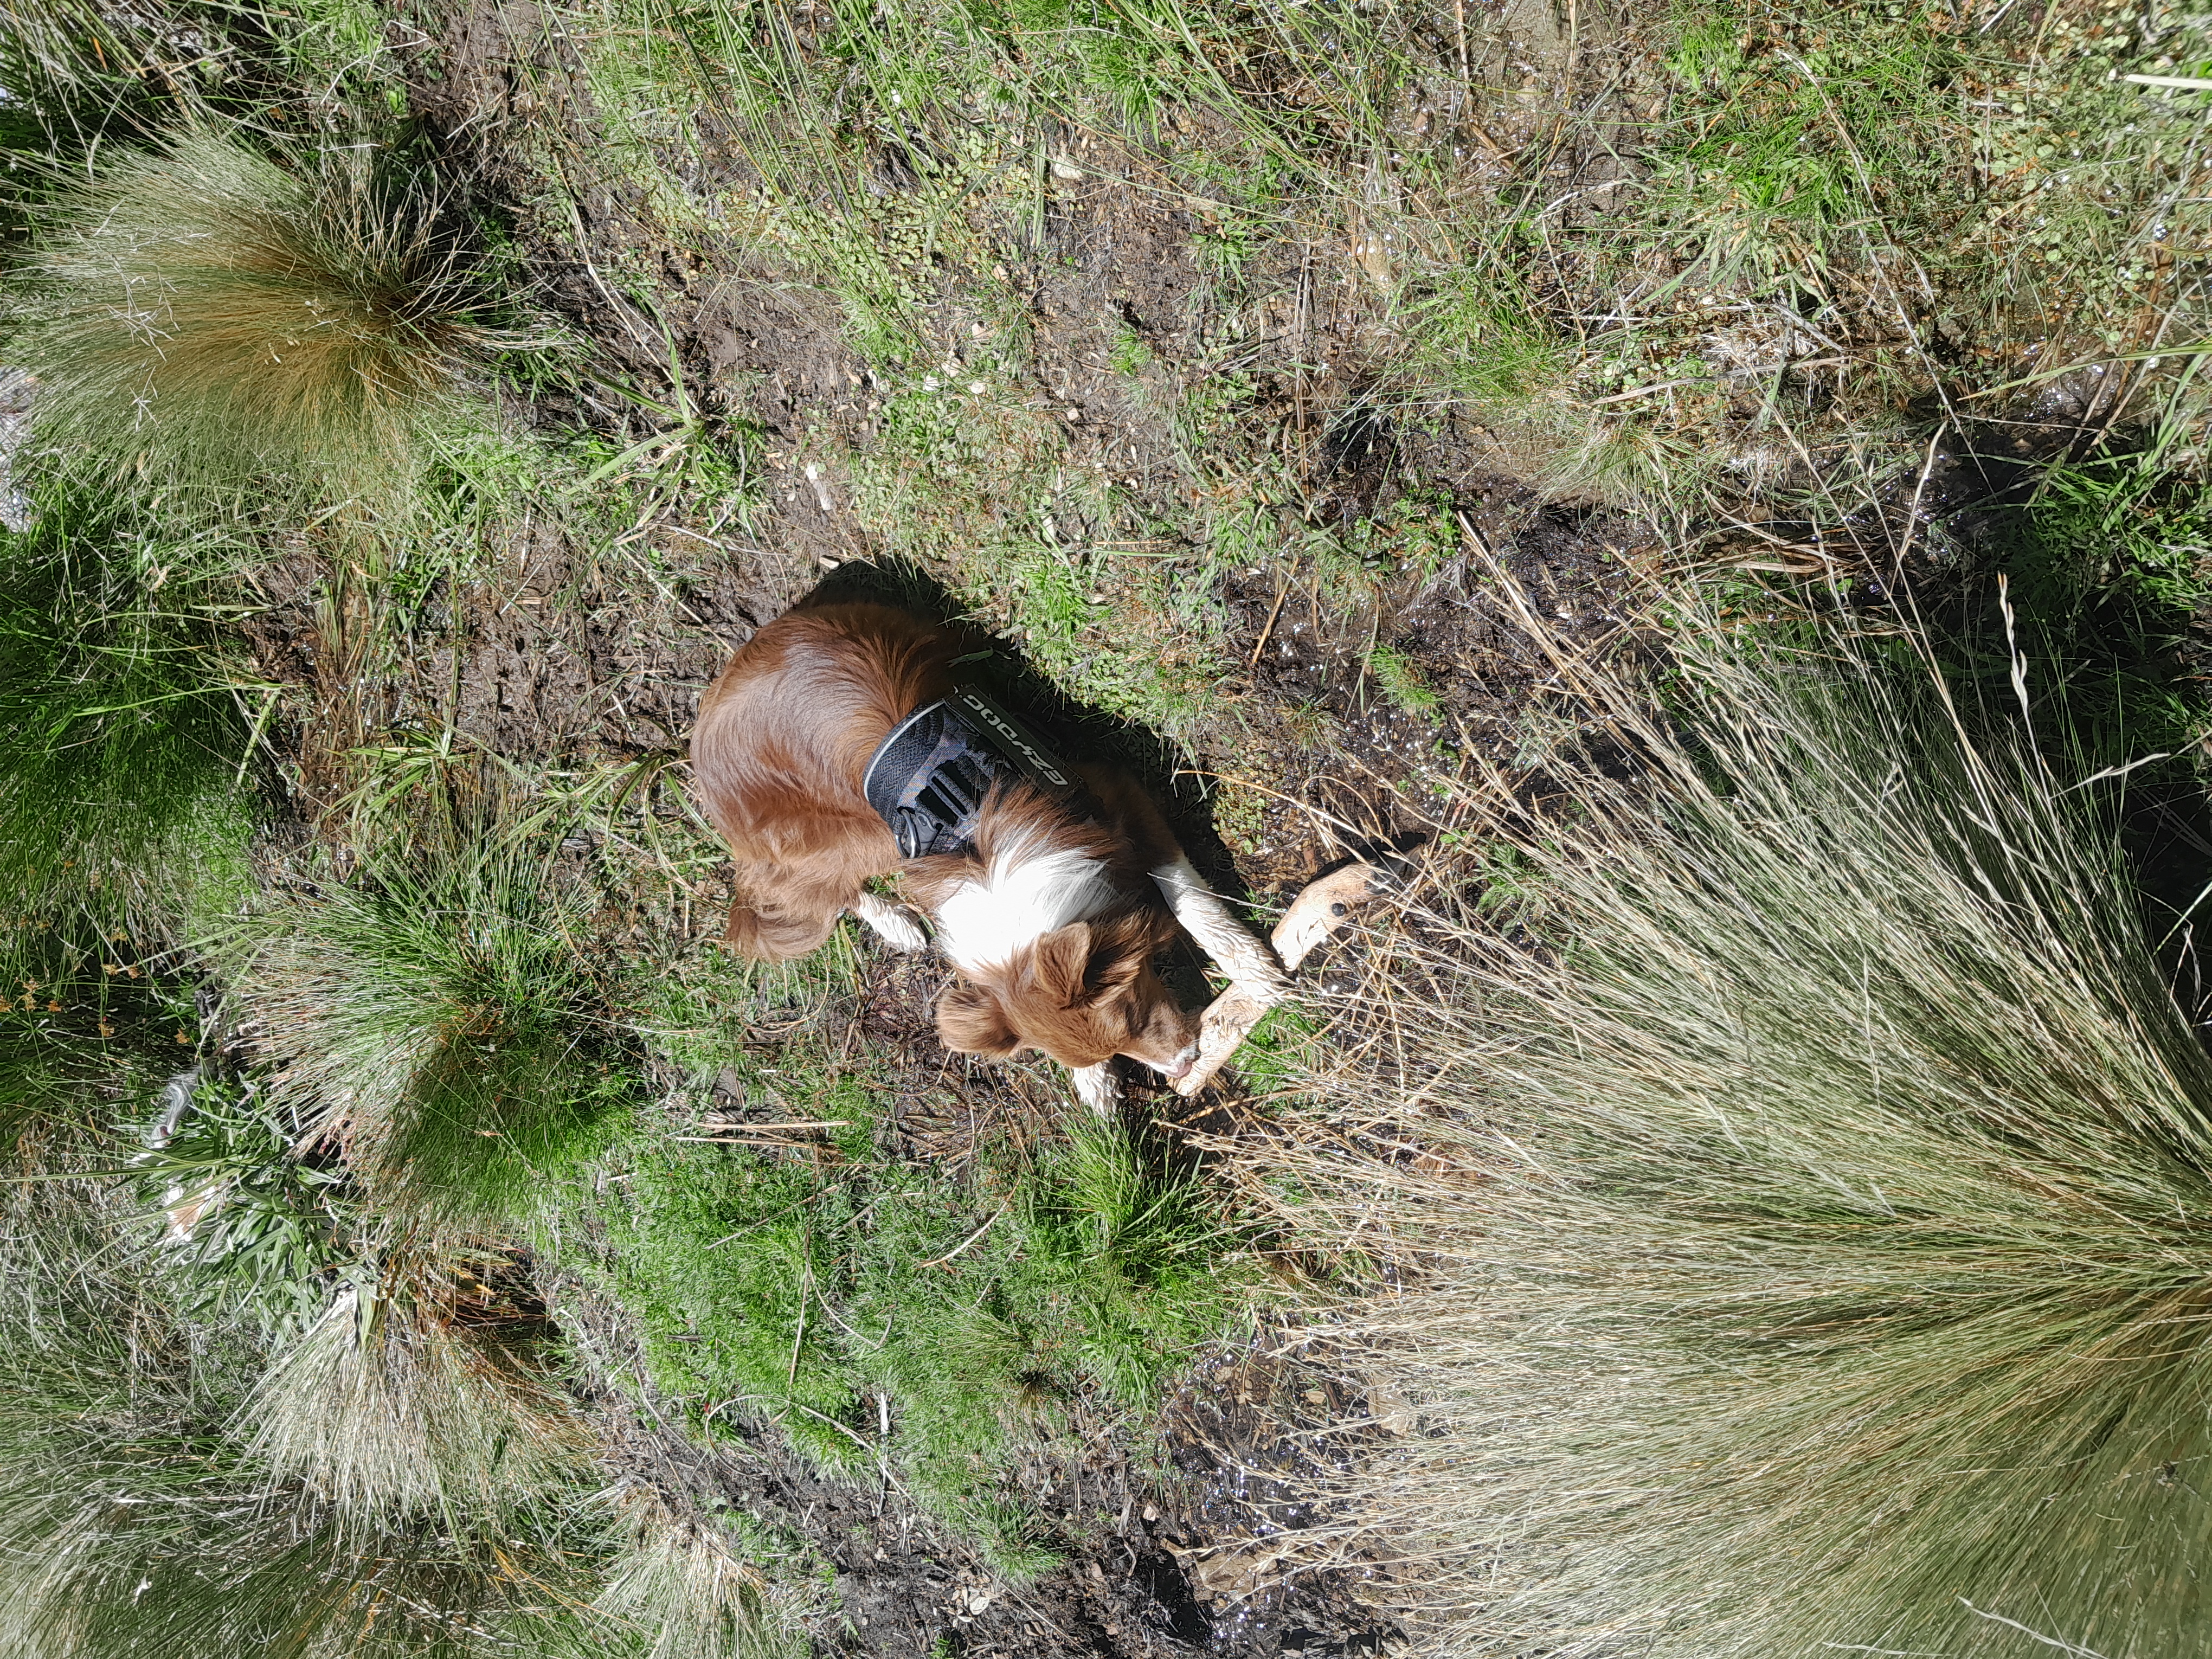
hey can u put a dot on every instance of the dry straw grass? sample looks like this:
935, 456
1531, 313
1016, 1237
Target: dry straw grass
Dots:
207, 314
1812, 1239
385, 1409
688, 1594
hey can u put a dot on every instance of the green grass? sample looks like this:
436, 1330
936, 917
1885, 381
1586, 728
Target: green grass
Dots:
1476, 332
208, 314
1825, 218
2105, 562
1838, 1159
1817, 219
2122, 529
80, 75
1790, 144
803, 1291
959, 474
1401, 681
180, 1471
79, 1046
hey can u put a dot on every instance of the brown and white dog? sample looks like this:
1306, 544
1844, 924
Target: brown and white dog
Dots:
1053, 907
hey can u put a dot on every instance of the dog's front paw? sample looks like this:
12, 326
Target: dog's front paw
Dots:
1224, 1027
1321, 907
1097, 1087
896, 924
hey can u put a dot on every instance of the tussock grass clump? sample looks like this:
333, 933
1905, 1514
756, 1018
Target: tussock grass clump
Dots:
131, 1522
384, 1407
690, 1596
1820, 1260
435, 1014
123, 725
206, 315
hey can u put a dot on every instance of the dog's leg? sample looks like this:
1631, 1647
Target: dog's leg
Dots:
1097, 1087
897, 926
1235, 949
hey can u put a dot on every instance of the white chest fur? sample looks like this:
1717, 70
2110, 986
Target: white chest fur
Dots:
1025, 894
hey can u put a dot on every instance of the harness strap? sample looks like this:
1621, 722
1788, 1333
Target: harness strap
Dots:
928, 779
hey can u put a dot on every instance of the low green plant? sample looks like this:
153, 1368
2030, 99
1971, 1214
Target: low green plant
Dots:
885, 1314
255, 1228
1101, 1265
1128, 354
208, 315
721, 1260
1817, 1157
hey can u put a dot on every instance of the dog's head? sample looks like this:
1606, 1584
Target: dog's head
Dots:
1082, 994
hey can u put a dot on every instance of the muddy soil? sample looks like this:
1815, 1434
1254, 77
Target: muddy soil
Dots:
1146, 1576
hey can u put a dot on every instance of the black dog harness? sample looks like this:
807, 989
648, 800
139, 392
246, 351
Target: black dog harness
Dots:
927, 780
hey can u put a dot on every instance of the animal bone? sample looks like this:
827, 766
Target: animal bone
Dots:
1321, 908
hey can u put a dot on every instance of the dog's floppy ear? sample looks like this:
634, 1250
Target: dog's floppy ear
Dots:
1082, 963
970, 1021
1121, 946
